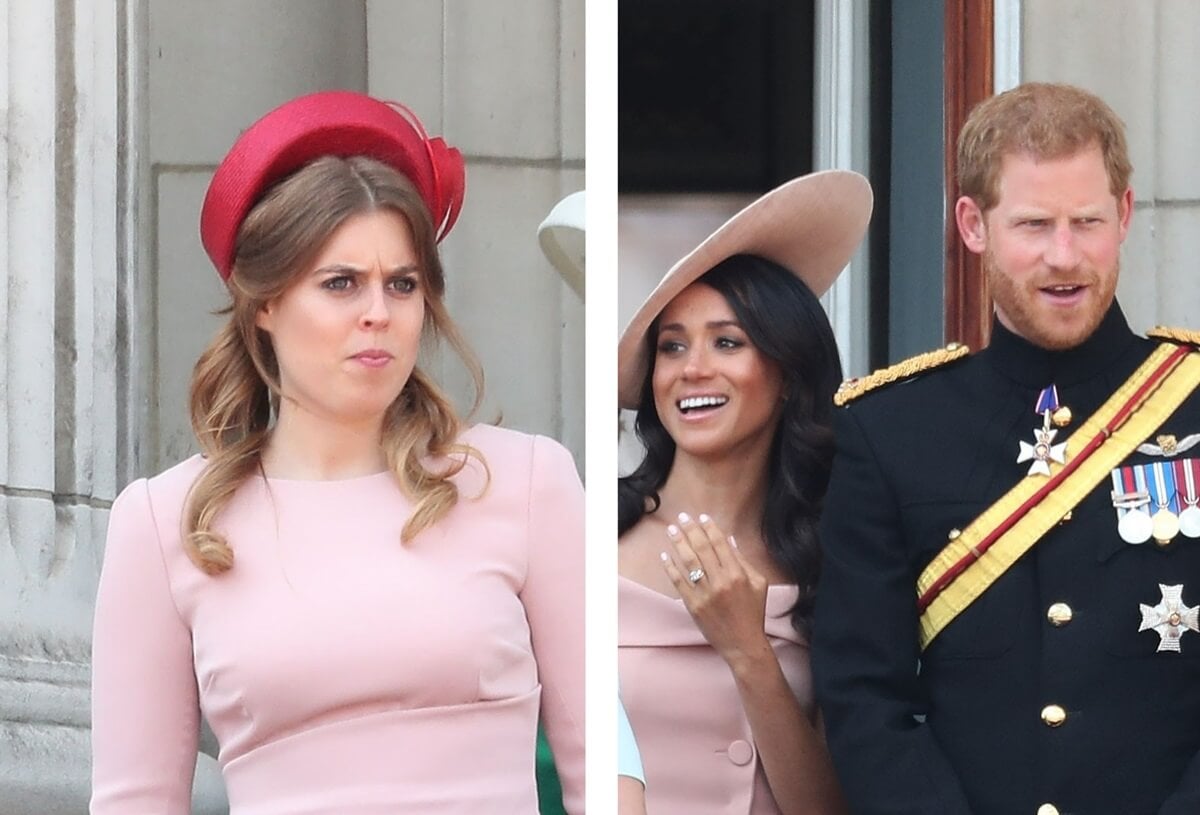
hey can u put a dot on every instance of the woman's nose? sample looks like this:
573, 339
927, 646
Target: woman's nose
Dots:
375, 309
697, 364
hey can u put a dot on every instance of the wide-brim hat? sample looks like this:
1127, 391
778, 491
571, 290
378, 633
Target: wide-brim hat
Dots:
562, 238
327, 123
810, 226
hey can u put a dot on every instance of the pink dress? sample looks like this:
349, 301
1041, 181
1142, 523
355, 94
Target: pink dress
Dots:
342, 671
697, 750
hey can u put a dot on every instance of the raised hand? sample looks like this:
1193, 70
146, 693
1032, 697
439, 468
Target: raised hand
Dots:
726, 596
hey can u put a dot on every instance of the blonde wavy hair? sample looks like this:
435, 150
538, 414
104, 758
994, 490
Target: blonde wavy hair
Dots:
235, 387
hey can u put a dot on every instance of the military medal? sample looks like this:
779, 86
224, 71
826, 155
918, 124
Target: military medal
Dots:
1162, 488
1189, 515
1185, 488
1044, 450
1131, 502
1170, 618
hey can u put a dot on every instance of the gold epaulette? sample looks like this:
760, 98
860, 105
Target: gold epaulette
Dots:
1180, 336
851, 389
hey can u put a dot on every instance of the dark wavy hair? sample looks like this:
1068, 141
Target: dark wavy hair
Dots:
786, 323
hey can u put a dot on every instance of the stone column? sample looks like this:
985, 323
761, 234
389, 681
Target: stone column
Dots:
61, 384
70, 394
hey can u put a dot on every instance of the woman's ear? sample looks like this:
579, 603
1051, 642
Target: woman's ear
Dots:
265, 318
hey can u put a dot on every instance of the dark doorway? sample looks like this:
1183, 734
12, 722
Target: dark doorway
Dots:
714, 95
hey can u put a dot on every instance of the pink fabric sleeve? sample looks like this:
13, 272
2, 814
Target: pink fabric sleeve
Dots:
553, 599
145, 713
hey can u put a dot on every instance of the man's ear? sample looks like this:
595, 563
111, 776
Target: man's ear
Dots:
972, 227
1125, 211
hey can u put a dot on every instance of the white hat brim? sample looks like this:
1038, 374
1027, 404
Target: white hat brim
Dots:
562, 237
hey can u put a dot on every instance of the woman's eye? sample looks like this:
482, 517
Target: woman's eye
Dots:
404, 285
338, 283
670, 347
728, 343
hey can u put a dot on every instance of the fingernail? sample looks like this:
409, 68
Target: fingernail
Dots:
732, 542
663, 556
683, 518
673, 530
703, 518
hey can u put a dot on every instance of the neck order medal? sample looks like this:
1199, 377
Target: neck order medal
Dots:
1044, 450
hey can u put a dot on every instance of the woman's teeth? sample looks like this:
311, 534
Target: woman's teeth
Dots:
701, 402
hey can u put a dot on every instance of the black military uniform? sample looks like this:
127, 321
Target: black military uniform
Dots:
1042, 697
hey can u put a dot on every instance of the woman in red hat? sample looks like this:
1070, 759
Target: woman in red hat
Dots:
369, 601
731, 366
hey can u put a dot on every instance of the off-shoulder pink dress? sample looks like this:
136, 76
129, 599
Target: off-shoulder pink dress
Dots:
342, 671
697, 750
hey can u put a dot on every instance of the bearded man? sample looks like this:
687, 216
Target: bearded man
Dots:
1007, 615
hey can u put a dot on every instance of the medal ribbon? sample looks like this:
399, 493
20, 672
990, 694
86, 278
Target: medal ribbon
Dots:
1130, 479
1139, 478
1125, 492
1164, 487
1185, 474
1020, 518
1047, 401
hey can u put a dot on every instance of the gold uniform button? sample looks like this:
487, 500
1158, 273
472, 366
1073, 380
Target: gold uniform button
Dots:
1053, 715
1059, 614
1047, 809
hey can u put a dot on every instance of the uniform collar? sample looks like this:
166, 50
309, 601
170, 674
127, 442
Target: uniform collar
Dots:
1025, 363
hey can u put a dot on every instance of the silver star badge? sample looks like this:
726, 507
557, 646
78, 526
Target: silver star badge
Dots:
1170, 618
1042, 451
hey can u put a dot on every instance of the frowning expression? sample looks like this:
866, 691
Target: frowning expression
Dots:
715, 392
348, 331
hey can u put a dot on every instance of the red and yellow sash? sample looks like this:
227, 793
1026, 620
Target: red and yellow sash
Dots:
1009, 528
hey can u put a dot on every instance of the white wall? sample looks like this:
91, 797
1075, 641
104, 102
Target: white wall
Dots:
1142, 58
503, 82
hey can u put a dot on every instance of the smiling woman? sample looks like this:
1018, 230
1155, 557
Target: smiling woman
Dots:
731, 365
361, 592
714, 390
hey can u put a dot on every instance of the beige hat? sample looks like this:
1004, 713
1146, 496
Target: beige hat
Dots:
810, 226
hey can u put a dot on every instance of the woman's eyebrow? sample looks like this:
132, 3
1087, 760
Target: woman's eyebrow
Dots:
346, 268
710, 324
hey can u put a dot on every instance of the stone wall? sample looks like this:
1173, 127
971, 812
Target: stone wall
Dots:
1142, 59
112, 119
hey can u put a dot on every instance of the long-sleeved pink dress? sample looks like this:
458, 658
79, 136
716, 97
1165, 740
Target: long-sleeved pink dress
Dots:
341, 670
